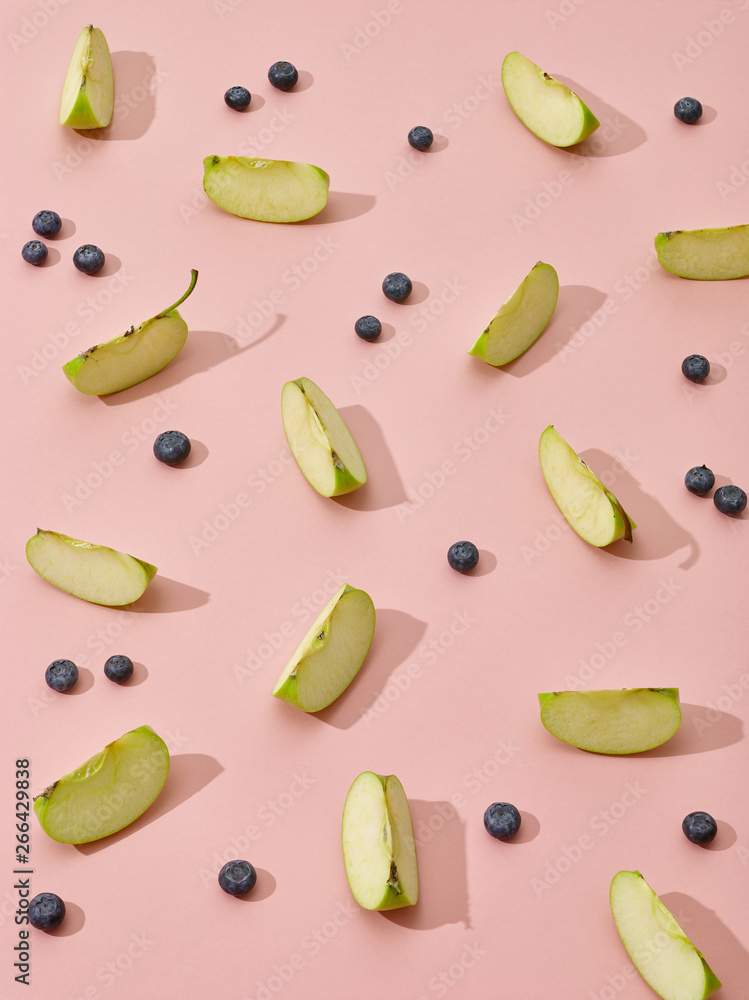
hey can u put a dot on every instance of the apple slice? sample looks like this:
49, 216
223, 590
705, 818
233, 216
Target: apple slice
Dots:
320, 441
106, 793
705, 254
660, 950
522, 319
544, 105
88, 91
265, 190
329, 656
613, 722
379, 850
591, 509
134, 356
94, 573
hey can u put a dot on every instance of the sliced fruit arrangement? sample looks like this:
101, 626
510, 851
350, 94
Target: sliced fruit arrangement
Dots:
134, 356
522, 319
88, 91
331, 653
379, 850
265, 190
320, 441
544, 105
626, 721
705, 254
589, 508
92, 572
107, 792
660, 950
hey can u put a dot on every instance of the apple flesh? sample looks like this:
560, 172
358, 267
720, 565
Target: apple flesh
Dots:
522, 319
132, 357
265, 190
331, 653
95, 573
88, 91
544, 105
660, 950
320, 441
589, 508
705, 254
612, 722
379, 850
107, 792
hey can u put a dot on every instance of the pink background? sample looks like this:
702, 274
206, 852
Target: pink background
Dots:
447, 697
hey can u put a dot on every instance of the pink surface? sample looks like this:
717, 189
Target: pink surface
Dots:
247, 551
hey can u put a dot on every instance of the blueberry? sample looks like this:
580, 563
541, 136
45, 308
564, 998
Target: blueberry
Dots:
502, 820
237, 877
397, 286
34, 252
46, 223
119, 669
420, 137
88, 259
171, 447
61, 675
699, 480
46, 910
729, 499
368, 327
282, 75
238, 98
695, 368
688, 110
699, 827
463, 556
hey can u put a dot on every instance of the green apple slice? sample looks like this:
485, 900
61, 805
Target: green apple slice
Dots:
379, 850
132, 357
591, 509
95, 573
320, 441
88, 91
705, 254
108, 792
544, 105
522, 319
660, 950
331, 653
612, 722
265, 190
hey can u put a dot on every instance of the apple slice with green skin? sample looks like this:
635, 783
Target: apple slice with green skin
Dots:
107, 792
331, 653
522, 319
379, 850
660, 950
265, 190
705, 254
134, 356
589, 508
320, 441
88, 91
544, 105
95, 573
612, 722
